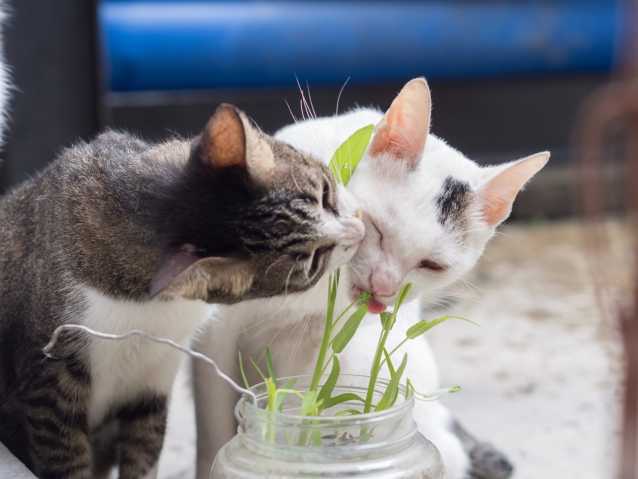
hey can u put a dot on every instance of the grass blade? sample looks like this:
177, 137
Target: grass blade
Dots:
282, 393
258, 369
405, 290
310, 403
344, 336
326, 390
333, 282
390, 394
348, 412
423, 326
270, 369
386, 320
242, 371
271, 389
349, 154
388, 360
341, 398
409, 388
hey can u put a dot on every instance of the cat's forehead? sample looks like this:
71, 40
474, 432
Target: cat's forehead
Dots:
442, 161
297, 169
424, 205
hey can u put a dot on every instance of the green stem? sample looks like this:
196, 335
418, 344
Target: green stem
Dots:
326, 366
395, 349
327, 332
376, 368
345, 311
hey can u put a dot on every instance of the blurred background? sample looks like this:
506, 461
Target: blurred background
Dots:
507, 77
542, 379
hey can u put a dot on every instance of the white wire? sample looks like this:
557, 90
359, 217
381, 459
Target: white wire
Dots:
136, 332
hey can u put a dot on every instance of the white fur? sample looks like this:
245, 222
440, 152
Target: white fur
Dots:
121, 371
403, 203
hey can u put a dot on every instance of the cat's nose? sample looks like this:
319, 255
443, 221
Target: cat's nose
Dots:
384, 283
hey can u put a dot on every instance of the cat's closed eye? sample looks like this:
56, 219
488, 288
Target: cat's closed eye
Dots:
431, 265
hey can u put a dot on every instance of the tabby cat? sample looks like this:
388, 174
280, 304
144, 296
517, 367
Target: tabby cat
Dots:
120, 234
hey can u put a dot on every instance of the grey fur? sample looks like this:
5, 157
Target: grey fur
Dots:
486, 462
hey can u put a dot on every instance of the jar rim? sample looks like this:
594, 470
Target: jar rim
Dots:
398, 409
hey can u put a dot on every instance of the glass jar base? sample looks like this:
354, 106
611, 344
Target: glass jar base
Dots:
419, 460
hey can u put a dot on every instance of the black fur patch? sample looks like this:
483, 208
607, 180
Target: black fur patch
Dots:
452, 200
144, 407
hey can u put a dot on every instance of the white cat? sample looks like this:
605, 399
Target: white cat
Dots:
429, 212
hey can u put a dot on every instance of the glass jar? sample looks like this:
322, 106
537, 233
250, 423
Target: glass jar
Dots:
286, 445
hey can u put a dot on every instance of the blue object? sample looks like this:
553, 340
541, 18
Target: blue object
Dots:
185, 45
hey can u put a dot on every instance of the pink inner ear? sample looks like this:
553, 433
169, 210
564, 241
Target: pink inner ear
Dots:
499, 193
402, 132
223, 140
496, 209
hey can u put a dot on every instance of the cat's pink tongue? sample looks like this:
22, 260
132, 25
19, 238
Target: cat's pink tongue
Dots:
375, 307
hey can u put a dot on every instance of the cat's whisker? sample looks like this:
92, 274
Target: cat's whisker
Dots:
304, 103
294, 179
502, 234
307, 109
343, 87
470, 285
283, 304
278, 260
281, 330
274, 338
439, 303
256, 327
305, 325
287, 283
294, 118
357, 268
314, 112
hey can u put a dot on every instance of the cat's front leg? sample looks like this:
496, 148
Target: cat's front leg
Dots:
142, 426
214, 399
55, 410
435, 424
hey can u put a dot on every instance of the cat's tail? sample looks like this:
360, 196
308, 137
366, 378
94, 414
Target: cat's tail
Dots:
486, 462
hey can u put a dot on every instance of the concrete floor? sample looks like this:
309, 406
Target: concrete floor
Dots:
541, 376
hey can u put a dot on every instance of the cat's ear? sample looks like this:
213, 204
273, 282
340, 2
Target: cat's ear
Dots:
402, 132
230, 140
209, 279
498, 194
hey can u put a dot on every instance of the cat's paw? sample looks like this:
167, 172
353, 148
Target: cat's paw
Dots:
487, 462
